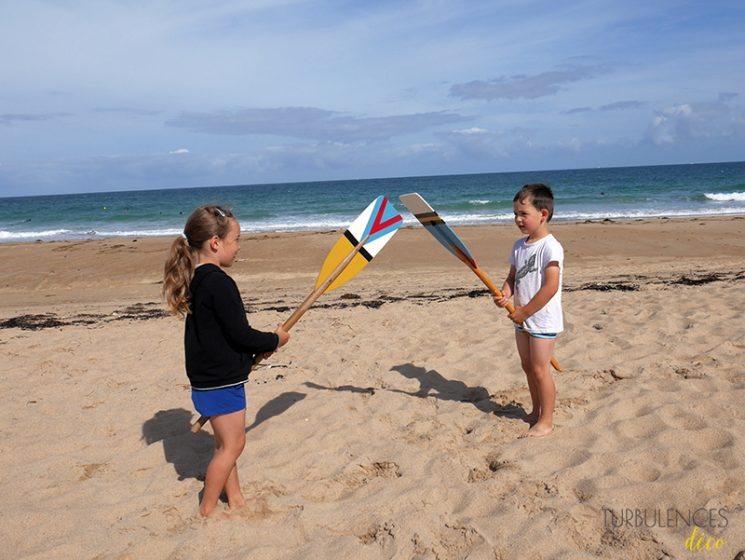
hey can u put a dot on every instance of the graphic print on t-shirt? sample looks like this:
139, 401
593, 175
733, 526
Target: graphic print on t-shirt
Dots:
526, 269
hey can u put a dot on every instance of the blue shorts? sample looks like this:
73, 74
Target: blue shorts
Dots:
213, 402
548, 335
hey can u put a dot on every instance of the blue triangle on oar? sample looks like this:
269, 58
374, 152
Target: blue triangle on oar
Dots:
434, 224
449, 239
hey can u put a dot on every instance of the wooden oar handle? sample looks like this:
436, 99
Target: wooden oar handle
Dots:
300, 311
494, 290
199, 424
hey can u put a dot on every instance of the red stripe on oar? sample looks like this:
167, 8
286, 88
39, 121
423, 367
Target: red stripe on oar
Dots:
377, 226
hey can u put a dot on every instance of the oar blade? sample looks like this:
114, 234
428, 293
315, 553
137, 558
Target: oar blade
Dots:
434, 224
340, 250
378, 223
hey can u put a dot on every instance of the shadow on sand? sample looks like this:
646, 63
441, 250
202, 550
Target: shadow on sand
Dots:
275, 407
191, 453
433, 384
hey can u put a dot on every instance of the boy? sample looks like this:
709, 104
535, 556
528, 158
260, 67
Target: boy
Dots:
535, 280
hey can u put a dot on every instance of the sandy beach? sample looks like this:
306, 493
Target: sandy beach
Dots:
388, 427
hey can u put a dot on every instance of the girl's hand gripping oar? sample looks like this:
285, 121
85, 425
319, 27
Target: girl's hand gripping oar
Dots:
364, 239
434, 224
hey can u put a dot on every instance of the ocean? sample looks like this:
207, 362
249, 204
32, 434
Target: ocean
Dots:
711, 189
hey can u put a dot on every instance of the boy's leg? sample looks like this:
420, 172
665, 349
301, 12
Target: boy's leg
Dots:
230, 438
541, 350
523, 349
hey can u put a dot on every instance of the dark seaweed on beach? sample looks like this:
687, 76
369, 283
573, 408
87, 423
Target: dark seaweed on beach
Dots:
41, 321
31, 322
698, 280
694, 279
478, 293
139, 312
608, 287
141, 315
277, 308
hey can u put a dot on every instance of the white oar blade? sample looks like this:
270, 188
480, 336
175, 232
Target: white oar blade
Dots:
434, 224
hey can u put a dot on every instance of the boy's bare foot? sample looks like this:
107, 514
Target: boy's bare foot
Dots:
538, 430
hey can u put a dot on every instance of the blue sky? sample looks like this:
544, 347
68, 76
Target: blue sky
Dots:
101, 95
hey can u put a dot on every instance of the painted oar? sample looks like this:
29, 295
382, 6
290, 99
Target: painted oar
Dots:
434, 224
362, 240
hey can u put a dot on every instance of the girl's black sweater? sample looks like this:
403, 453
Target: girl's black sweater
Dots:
220, 344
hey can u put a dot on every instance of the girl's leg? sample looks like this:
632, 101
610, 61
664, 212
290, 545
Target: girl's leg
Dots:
541, 350
232, 486
523, 349
230, 438
233, 490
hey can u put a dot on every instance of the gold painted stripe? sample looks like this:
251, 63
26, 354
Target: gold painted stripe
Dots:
429, 218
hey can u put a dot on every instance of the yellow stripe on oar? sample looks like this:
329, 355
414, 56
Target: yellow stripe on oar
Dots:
341, 249
353, 268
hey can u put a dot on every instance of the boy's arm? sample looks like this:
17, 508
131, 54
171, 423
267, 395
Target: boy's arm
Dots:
544, 295
507, 289
509, 284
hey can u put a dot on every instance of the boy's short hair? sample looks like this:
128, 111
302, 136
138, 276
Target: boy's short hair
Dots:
540, 195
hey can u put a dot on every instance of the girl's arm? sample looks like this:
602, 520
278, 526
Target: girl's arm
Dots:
543, 296
231, 313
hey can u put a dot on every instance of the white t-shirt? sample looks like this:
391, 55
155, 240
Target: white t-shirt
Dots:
530, 261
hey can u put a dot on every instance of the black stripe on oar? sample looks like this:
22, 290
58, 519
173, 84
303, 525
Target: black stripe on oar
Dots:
427, 218
368, 257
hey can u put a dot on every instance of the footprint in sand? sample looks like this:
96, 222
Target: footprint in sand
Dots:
384, 534
493, 466
92, 469
353, 477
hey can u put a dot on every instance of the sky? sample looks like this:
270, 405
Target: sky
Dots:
100, 95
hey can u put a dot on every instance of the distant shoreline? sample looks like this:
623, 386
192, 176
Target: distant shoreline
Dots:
454, 223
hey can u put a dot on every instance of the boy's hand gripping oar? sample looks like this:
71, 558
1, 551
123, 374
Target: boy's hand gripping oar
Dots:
434, 224
364, 239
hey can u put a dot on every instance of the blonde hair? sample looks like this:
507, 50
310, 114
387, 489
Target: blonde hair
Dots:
203, 224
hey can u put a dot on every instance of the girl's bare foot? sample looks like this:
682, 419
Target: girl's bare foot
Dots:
531, 418
214, 513
236, 502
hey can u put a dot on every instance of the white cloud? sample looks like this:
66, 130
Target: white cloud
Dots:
698, 122
527, 86
15, 118
311, 123
472, 130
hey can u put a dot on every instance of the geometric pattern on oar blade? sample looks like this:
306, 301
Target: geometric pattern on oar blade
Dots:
434, 224
380, 221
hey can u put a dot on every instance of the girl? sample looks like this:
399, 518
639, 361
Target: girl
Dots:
220, 344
